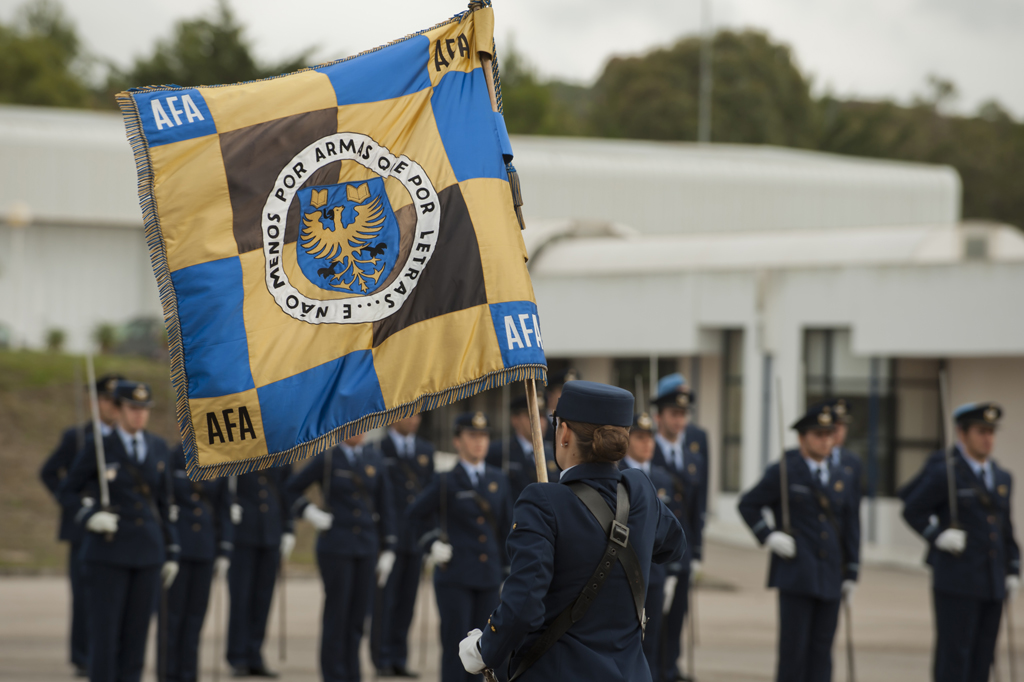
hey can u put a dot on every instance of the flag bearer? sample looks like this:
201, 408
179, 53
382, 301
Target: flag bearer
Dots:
976, 564
470, 509
205, 532
264, 537
409, 467
130, 550
681, 449
53, 472
356, 541
816, 565
522, 471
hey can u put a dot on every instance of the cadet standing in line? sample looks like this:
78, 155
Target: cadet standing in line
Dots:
409, 467
356, 539
816, 566
975, 565
661, 585
681, 449
206, 535
521, 468
52, 474
131, 549
470, 509
573, 606
264, 537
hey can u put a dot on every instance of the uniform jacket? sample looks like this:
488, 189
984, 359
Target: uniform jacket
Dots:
479, 560
687, 495
204, 523
662, 482
991, 552
56, 468
824, 559
265, 513
695, 441
852, 470
407, 478
359, 498
522, 471
555, 545
145, 536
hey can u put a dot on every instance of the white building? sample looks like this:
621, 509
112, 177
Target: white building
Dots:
733, 264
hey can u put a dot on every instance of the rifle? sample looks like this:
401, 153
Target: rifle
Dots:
97, 439
783, 468
947, 431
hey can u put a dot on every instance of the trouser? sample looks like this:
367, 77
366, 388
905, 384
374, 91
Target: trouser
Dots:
673, 625
251, 579
654, 634
120, 604
807, 627
348, 586
462, 609
399, 600
79, 619
965, 642
187, 600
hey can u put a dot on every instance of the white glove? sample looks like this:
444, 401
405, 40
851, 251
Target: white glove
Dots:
220, 566
287, 545
469, 652
102, 522
320, 519
952, 540
236, 514
168, 573
441, 552
782, 544
671, 582
385, 562
696, 570
1012, 586
849, 587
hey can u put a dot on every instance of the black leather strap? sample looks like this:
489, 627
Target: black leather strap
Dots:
618, 548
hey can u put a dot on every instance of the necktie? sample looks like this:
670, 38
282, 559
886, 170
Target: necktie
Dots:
823, 475
135, 450
983, 477
679, 459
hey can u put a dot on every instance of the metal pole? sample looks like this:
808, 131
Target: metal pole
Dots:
217, 623
162, 656
538, 439
766, 410
783, 468
653, 371
947, 429
79, 409
638, 391
874, 410
97, 436
424, 618
851, 673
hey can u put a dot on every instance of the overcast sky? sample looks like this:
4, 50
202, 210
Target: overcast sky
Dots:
866, 48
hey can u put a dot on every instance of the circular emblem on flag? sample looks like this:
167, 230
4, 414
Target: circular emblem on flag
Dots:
348, 248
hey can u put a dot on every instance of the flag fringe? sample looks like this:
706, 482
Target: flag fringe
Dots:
366, 423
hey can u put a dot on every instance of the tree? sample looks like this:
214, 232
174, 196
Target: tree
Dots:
41, 60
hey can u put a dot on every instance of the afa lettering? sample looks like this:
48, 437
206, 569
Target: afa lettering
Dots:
518, 335
243, 424
441, 59
188, 109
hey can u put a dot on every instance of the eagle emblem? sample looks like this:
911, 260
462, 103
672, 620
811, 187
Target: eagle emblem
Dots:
349, 236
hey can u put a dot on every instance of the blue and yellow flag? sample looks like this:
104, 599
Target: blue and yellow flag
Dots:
336, 248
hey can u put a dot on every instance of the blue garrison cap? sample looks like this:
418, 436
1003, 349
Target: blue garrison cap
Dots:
135, 393
470, 421
643, 422
978, 413
818, 416
593, 403
672, 390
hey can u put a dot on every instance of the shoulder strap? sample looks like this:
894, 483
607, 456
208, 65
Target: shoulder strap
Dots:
618, 548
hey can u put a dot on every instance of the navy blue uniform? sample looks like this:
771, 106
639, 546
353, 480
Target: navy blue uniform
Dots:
688, 501
122, 574
256, 560
205, 532
359, 497
522, 469
810, 584
969, 588
408, 474
54, 471
467, 586
555, 546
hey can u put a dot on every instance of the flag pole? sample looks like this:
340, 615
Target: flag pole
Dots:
97, 438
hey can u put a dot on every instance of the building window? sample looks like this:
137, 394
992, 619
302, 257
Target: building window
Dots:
732, 410
628, 372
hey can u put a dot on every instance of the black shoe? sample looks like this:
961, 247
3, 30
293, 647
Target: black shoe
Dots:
239, 671
685, 678
263, 671
402, 671
81, 671
386, 671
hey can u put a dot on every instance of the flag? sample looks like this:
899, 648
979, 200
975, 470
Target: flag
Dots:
336, 248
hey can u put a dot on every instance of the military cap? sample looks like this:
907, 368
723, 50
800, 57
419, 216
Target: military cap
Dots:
520, 404
134, 393
818, 416
643, 422
471, 421
978, 413
672, 391
106, 385
593, 403
562, 377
